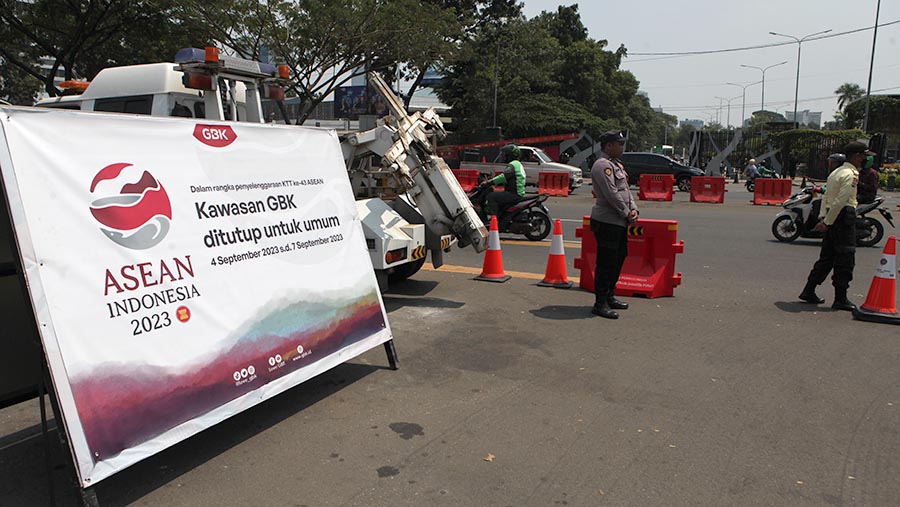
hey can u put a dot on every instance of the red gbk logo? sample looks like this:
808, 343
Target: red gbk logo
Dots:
217, 136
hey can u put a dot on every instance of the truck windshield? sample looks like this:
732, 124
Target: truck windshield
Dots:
539, 153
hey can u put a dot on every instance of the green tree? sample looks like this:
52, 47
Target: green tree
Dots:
469, 15
884, 113
549, 57
328, 42
847, 93
82, 37
760, 118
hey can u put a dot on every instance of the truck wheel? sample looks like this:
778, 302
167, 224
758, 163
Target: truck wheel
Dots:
405, 271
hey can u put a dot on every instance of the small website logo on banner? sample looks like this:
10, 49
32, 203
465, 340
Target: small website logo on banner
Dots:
276, 362
245, 375
301, 353
217, 136
131, 206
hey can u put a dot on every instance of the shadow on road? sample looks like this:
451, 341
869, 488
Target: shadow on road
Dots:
410, 287
557, 312
23, 477
799, 242
798, 307
395, 303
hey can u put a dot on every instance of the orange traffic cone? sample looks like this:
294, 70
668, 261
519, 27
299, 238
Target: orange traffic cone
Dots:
881, 303
555, 276
493, 257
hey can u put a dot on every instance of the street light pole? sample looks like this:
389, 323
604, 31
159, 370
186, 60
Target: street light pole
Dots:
743, 97
762, 106
799, 45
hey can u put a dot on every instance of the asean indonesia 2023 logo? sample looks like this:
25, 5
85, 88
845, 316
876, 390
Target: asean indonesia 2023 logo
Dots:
131, 206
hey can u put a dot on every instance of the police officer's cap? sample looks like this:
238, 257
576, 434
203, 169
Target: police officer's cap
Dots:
613, 136
857, 147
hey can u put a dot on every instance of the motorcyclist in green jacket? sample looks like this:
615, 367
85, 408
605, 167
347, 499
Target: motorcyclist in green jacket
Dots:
513, 181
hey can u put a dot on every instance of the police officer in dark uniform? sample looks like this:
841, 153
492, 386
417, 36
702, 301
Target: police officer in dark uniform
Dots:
838, 222
610, 216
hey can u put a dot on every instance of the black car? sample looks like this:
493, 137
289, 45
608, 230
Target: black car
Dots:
638, 163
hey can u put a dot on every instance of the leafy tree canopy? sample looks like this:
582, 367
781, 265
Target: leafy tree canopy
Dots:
546, 67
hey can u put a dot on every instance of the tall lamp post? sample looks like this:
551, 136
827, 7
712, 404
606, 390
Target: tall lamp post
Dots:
762, 105
743, 97
799, 45
728, 101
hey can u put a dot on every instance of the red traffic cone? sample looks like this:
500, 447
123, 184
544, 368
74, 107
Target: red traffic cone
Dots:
555, 276
493, 257
881, 303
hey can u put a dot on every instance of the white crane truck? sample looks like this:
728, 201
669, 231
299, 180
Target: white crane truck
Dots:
408, 199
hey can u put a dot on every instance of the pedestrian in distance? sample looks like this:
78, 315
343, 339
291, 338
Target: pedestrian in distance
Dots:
610, 216
837, 219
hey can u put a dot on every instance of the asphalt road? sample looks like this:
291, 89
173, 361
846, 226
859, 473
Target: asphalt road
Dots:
728, 393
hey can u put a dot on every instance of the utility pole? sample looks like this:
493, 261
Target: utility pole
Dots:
871, 64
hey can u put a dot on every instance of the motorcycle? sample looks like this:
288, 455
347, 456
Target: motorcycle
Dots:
801, 214
528, 216
751, 182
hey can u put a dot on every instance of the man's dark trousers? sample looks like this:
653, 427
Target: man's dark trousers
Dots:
838, 252
612, 249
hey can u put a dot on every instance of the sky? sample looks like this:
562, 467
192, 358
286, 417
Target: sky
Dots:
687, 86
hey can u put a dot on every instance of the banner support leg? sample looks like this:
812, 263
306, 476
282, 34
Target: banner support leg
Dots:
42, 391
391, 354
89, 498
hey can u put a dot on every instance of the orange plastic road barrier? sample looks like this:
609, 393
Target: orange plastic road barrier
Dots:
649, 269
493, 257
555, 276
553, 183
708, 189
656, 187
771, 191
881, 302
467, 178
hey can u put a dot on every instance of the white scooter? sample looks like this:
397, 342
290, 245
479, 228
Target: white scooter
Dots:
801, 213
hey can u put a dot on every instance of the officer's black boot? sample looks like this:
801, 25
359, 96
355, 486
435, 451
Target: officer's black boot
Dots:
841, 302
615, 304
809, 294
601, 308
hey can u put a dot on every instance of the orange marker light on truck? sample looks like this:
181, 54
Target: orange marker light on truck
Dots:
284, 71
74, 85
197, 81
212, 55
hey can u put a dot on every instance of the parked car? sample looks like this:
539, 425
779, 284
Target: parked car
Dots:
534, 161
638, 163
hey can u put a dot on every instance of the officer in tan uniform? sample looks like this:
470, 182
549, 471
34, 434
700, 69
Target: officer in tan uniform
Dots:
610, 216
837, 219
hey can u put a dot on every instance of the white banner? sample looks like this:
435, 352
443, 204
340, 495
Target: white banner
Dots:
182, 271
